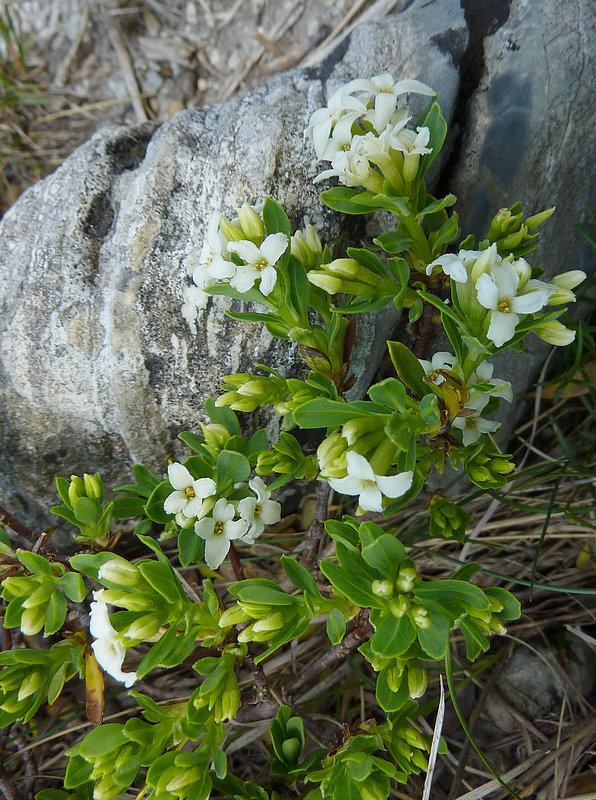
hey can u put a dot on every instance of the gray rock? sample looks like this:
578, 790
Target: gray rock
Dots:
99, 368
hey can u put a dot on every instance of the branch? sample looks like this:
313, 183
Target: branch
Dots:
16, 526
317, 527
7, 787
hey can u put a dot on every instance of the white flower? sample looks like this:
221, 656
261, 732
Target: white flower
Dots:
471, 423
362, 481
341, 105
498, 293
258, 511
440, 361
387, 92
260, 262
190, 492
451, 265
107, 647
218, 531
410, 143
351, 166
498, 388
212, 265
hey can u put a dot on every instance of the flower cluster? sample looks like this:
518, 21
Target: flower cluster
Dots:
445, 367
498, 293
193, 502
363, 133
239, 253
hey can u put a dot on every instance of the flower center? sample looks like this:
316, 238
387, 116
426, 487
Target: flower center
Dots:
368, 484
189, 492
504, 305
208, 259
261, 264
258, 510
345, 147
218, 528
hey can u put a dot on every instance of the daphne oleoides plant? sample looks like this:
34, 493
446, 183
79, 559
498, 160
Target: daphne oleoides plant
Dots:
376, 454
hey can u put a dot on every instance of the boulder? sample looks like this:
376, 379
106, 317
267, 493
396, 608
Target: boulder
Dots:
99, 368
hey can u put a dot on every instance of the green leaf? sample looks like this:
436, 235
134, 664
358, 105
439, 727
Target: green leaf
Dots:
399, 205
388, 699
62, 487
193, 441
393, 242
78, 770
85, 511
392, 636
367, 259
90, 563
432, 640
275, 218
447, 233
35, 563
154, 508
231, 468
408, 368
160, 577
435, 122
436, 205
253, 592
399, 430
101, 740
144, 477
449, 590
383, 553
511, 605
350, 585
341, 198
295, 288
128, 507
323, 413
189, 547
336, 626
158, 652
476, 641
73, 587
223, 416
343, 533
390, 393
300, 577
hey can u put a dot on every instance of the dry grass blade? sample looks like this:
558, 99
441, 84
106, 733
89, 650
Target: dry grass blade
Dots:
436, 740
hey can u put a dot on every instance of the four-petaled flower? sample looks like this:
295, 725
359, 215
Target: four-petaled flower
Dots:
218, 531
260, 262
107, 647
497, 292
212, 265
258, 511
362, 481
190, 492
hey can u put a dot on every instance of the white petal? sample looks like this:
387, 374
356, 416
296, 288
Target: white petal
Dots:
384, 107
409, 85
175, 502
193, 507
320, 136
530, 302
451, 265
204, 487
234, 530
506, 278
395, 485
244, 279
99, 621
348, 485
179, 476
248, 251
223, 511
358, 467
488, 294
270, 512
502, 327
216, 549
371, 499
268, 281
274, 247
259, 487
246, 508
204, 527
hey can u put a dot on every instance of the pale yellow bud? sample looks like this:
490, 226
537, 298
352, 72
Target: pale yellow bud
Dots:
251, 224
555, 333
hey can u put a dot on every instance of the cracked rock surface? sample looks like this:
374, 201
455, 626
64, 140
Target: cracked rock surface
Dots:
98, 366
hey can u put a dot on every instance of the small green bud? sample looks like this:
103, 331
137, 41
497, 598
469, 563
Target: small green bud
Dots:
399, 606
382, 588
421, 619
538, 219
232, 232
417, 682
121, 572
143, 628
394, 676
76, 489
30, 685
93, 486
233, 616
411, 163
32, 620
251, 224
555, 333
405, 579
272, 623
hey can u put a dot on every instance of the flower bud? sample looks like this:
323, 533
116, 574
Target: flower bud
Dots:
555, 333
417, 682
251, 224
41, 595
331, 456
121, 572
382, 588
538, 219
399, 605
143, 628
411, 162
32, 620
272, 623
93, 486
30, 684
232, 232
569, 280
421, 619
215, 435
233, 616
356, 428
405, 579
76, 489
394, 676
485, 262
